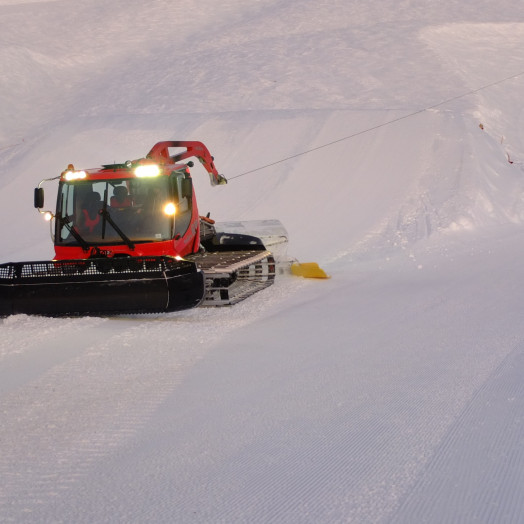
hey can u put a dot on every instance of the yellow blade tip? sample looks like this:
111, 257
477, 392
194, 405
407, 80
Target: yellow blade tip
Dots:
308, 270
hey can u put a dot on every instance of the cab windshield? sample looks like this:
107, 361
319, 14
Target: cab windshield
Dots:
121, 211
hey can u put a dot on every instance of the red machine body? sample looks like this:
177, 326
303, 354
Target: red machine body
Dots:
110, 227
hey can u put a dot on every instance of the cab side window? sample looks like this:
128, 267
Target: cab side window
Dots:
183, 201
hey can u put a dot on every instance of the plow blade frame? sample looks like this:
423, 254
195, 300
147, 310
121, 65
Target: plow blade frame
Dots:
100, 286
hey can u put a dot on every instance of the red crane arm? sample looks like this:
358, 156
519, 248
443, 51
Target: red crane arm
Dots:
160, 153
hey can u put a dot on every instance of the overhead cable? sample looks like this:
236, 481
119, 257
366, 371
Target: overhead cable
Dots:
378, 126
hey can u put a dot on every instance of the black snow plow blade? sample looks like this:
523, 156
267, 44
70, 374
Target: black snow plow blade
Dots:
100, 286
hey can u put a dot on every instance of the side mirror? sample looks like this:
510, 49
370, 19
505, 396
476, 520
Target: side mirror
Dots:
39, 197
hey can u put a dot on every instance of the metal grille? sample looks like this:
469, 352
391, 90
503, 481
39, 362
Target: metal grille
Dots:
95, 266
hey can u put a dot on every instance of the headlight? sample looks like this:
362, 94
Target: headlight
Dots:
170, 209
147, 170
74, 175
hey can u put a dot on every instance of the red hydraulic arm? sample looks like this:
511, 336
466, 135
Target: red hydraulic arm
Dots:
160, 153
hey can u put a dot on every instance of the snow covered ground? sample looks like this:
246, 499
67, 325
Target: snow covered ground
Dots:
390, 393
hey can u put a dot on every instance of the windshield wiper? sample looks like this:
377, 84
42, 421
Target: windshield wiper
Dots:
83, 244
105, 213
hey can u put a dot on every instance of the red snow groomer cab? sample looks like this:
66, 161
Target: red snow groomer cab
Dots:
129, 239
140, 208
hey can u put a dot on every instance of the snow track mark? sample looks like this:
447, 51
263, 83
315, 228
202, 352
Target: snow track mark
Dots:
93, 384
472, 466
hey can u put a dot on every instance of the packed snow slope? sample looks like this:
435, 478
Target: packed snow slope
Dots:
387, 137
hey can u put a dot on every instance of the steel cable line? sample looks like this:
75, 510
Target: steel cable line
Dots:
378, 126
